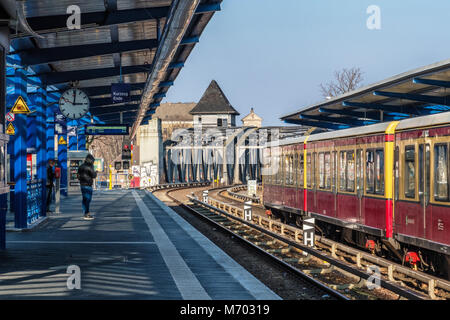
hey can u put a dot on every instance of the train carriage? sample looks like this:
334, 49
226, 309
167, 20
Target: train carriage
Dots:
384, 187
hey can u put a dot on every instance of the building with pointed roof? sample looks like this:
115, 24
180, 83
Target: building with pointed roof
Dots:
214, 109
252, 120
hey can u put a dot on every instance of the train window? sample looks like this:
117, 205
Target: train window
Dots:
359, 169
440, 172
296, 167
314, 167
287, 170
350, 171
342, 164
334, 169
379, 177
327, 171
292, 176
321, 170
410, 172
308, 170
370, 171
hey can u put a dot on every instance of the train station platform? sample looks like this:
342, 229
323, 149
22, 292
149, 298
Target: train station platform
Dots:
135, 248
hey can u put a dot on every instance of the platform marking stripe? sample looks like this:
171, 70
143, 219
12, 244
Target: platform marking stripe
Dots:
255, 287
185, 280
85, 242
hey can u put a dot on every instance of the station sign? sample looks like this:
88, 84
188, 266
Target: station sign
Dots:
106, 129
120, 92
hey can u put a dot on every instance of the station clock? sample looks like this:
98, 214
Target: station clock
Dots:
74, 103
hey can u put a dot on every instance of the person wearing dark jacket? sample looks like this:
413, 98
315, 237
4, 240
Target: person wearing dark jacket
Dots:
86, 176
49, 184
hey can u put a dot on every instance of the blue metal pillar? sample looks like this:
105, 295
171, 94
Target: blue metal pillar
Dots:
19, 155
41, 145
50, 132
62, 161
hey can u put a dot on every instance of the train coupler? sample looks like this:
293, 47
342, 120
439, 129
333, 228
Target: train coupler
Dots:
412, 258
371, 245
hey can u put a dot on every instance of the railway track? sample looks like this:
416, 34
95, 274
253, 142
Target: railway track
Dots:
395, 277
339, 270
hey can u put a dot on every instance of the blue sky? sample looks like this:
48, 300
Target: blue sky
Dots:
273, 54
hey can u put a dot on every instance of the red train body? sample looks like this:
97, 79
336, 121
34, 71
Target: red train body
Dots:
387, 182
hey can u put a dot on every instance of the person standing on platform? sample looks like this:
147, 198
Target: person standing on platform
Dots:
49, 184
86, 175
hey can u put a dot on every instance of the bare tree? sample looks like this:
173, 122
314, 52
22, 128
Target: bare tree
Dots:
344, 81
107, 147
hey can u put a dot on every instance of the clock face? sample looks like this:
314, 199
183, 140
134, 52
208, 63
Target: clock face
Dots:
74, 103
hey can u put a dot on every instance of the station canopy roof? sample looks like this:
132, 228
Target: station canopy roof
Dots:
142, 42
419, 92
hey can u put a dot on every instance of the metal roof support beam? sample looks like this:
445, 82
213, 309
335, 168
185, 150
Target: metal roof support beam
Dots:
347, 121
324, 125
159, 95
104, 18
46, 55
431, 82
107, 111
176, 65
191, 40
356, 114
51, 78
407, 110
415, 97
205, 8
101, 18
109, 107
108, 101
166, 84
99, 90
116, 116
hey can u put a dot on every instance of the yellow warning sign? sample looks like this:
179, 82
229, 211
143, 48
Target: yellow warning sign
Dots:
20, 106
62, 141
10, 129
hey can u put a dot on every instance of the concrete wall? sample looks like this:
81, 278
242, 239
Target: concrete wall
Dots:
151, 146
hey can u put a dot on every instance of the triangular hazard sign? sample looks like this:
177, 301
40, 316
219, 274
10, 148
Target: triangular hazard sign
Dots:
62, 141
20, 106
10, 129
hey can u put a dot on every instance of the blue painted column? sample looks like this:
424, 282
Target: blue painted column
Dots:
50, 132
81, 133
41, 143
62, 161
19, 156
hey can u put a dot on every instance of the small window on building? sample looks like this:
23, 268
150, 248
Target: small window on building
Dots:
219, 122
199, 119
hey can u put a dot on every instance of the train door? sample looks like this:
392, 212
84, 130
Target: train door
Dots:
360, 183
424, 188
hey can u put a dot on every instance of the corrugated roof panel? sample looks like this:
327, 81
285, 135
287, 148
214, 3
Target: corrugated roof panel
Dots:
88, 36
35, 8
132, 4
104, 61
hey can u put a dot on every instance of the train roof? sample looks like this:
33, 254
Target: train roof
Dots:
406, 124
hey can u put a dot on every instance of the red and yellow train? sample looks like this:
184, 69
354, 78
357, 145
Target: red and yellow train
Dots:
384, 187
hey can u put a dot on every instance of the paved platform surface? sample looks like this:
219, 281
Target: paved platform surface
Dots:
136, 248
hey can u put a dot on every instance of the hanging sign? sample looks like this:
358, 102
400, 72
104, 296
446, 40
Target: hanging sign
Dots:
10, 129
20, 106
10, 116
120, 92
62, 141
71, 131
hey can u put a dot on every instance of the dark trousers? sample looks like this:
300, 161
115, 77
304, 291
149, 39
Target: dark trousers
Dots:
49, 196
86, 193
